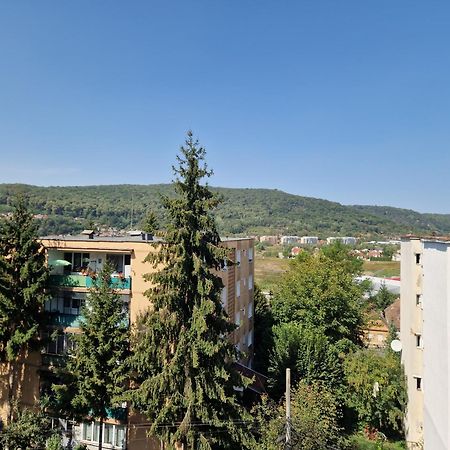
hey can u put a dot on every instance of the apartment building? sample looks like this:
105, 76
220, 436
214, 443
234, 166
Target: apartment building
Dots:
346, 240
425, 332
286, 240
309, 240
74, 262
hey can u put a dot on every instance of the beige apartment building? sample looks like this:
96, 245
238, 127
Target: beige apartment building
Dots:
74, 260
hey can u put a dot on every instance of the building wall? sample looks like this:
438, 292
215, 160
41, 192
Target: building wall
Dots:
411, 323
436, 314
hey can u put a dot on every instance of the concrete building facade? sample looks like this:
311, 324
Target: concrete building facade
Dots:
74, 262
425, 336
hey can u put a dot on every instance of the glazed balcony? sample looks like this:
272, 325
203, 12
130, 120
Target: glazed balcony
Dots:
85, 281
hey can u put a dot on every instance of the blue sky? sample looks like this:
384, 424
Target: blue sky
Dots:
344, 100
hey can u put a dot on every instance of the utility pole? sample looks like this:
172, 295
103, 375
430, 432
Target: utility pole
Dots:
288, 409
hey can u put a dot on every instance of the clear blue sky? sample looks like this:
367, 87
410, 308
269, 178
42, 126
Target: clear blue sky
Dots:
345, 100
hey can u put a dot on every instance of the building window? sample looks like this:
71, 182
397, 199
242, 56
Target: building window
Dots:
250, 338
224, 298
418, 340
250, 282
250, 254
120, 436
238, 288
60, 344
418, 258
418, 383
78, 261
418, 299
238, 257
108, 434
250, 310
237, 318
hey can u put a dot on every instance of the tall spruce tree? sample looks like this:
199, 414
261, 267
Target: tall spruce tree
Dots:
23, 285
183, 359
95, 373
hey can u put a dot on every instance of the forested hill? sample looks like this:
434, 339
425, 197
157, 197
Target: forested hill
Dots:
242, 212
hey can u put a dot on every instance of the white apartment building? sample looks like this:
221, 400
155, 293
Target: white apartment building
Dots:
309, 240
346, 240
286, 240
425, 336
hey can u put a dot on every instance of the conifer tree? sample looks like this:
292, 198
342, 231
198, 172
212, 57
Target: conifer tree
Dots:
23, 284
186, 382
96, 375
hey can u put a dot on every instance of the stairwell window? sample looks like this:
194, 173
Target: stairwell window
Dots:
238, 257
418, 258
238, 288
418, 383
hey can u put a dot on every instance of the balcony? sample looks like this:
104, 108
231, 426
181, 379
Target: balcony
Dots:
83, 281
64, 320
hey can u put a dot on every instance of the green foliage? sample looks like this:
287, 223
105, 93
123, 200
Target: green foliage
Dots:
376, 389
263, 336
243, 211
149, 223
341, 254
314, 419
23, 282
319, 293
383, 298
182, 357
308, 353
30, 429
96, 372
54, 443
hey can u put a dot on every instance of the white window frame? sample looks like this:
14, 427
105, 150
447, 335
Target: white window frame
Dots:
250, 254
224, 298
237, 318
250, 282
238, 257
238, 288
250, 310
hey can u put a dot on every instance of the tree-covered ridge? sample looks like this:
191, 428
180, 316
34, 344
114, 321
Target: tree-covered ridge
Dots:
243, 211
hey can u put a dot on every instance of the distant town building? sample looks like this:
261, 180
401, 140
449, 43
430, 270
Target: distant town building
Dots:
286, 240
346, 240
269, 239
309, 240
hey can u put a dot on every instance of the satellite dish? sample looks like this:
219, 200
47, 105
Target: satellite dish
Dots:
396, 345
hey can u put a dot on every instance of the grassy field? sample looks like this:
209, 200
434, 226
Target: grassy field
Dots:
382, 268
359, 442
269, 270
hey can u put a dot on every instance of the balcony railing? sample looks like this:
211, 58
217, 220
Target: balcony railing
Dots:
64, 320
83, 281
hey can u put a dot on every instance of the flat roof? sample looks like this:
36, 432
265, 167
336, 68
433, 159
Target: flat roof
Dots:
125, 238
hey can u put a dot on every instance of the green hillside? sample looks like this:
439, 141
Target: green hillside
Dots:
242, 212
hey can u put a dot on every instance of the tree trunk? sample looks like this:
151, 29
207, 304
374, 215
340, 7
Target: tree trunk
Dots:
100, 435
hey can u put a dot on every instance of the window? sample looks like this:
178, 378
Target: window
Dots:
60, 344
237, 318
250, 254
96, 432
78, 261
116, 261
418, 340
120, 436
224, 298
418, 299
418, 383
250, 310
250, 282
225, 265
418, 258
87, 432
238, 288
238, 257
108, 434
250, 338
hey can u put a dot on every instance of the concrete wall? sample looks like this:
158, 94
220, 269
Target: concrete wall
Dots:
436, 313
410, 324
